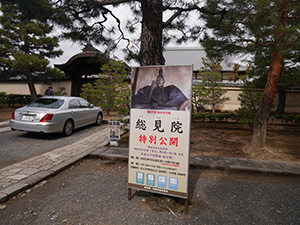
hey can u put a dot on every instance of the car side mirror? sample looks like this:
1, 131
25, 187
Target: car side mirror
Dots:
91, 105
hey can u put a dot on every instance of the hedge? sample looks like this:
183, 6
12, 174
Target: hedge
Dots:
243, 116
14, 99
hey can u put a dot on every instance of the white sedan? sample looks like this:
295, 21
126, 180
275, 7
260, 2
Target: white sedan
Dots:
56, 114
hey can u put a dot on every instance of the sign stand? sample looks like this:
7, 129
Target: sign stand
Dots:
114, 132
160, 124
114, 143
129, 194
186, 202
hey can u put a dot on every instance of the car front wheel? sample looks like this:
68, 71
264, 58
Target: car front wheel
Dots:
99, 119
68, 128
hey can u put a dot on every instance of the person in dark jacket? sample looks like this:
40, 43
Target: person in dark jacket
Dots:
49, 91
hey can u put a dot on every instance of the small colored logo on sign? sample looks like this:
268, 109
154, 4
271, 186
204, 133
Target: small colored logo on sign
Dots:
151, 179
140, 178
162, 181
173, 183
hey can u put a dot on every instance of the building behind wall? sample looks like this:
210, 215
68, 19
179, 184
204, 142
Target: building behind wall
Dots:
193, 56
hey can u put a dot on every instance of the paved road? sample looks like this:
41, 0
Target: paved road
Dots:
16, 146
95, 192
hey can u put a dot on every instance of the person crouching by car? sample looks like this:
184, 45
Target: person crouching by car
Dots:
48, 91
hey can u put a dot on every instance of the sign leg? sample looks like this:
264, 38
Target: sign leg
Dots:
129, 194
186, 205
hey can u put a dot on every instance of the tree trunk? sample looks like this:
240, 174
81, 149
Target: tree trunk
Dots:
262, 116
31, 86
281, 99
259, 133
213, 108
151, 34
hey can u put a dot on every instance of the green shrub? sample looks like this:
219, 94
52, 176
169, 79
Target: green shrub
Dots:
125, 125
61, 91
212, 117
287, 118
199, 116
231, 116
111, 90
15, 99
297, 119
277, 116
221, 116
245, 116
3, 103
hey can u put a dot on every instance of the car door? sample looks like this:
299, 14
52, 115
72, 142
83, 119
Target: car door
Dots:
77, 112
89, 116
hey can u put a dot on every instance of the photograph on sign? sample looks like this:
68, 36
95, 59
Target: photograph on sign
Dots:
114, 130
160, 129
164, 88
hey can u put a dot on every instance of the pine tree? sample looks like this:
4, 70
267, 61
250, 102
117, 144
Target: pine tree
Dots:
211, 90
154, 24
26, 43
110, 91
269, 29
199, 97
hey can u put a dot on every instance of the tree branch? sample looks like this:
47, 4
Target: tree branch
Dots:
180, 10
114, 2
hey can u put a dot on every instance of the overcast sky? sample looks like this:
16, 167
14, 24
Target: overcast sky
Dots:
70, 48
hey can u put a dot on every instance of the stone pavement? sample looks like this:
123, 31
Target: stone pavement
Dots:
21, 176
4, 126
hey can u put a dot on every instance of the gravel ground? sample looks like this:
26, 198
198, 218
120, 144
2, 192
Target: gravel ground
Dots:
95, 192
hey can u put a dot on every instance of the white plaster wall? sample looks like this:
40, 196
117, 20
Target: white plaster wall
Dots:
22, 87
292, 100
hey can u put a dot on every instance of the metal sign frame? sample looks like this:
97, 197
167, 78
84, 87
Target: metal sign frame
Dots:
160, 122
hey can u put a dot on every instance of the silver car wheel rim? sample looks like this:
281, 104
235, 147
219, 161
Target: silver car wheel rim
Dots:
99, 119
69, 128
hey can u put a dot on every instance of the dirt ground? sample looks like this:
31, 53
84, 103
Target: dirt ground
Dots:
5, 114
281, 145
230, 140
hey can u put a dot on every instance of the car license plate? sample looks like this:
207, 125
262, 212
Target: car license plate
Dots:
27, 118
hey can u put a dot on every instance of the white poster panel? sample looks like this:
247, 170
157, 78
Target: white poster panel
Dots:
114, 130
160, 130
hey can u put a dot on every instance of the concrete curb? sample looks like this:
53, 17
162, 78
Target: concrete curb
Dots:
5, 129
4, 123
246, 165
213, 162
4, 126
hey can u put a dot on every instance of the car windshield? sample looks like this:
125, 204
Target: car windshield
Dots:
47, 103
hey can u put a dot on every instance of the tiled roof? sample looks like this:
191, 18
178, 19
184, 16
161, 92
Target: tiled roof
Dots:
226, 83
